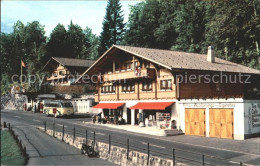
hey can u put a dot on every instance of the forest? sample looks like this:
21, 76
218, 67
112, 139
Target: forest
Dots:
231, 26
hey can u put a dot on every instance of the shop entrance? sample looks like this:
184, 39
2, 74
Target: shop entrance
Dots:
221, 123
195, 122
128, 116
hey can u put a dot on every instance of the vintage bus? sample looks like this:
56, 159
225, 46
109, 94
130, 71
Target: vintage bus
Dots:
58, 108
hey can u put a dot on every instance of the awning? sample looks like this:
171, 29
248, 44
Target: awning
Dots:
108, 105
152, 105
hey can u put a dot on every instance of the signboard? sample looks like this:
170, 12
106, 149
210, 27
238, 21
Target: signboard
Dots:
252, 116
209, 105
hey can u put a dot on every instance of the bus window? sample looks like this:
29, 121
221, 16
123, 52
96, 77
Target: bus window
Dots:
66, 104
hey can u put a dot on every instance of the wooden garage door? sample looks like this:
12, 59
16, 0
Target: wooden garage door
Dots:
195, 122
221, 123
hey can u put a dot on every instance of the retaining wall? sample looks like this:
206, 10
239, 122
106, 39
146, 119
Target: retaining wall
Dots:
117, 155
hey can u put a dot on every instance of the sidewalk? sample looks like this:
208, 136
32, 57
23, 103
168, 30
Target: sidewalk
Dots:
137, 129
45, 150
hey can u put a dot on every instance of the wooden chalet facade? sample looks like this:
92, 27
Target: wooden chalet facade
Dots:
156, 88
65, 71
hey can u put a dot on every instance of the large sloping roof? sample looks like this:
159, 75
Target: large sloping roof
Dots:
74, 62
180, 60
71, 62
184, 60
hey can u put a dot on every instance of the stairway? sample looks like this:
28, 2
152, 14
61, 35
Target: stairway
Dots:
172, 132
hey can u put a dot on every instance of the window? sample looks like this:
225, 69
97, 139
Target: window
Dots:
218, 87
136, 63
113, 88
166, 84
128, 88
147, 86
117, 68
146, 64
66, 104
129, 65
108, 89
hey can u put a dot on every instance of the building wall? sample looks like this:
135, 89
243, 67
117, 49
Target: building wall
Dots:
246, 114
208, 90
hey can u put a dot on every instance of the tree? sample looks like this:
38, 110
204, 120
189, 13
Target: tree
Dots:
113, 26
76, 41
234, 30
35, 40
133, 35
25, 43
93, 43
57, 45
143, 22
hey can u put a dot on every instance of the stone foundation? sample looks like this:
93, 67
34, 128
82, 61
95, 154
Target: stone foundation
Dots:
117, 155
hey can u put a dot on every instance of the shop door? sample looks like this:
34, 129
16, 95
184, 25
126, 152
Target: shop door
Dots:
195, 122
221, 123
128, 116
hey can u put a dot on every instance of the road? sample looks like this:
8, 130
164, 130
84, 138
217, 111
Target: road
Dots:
43, 149
186, 152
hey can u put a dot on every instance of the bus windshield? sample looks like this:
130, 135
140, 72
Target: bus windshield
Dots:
66, 104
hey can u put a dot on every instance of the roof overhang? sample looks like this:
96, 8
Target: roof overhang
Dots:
125, 50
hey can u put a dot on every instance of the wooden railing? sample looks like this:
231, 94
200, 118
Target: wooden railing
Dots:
56, 77
131, 74
134, 96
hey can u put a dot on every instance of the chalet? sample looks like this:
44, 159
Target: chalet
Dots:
64, 71
197, 94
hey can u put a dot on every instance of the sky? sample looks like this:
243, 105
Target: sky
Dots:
50, 13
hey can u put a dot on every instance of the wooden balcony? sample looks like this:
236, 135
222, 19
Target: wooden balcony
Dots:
56, 77
131, 74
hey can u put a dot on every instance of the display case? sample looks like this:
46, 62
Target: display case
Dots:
163, 120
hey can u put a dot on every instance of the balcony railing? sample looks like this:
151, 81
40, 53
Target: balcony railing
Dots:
56, 77
132, 74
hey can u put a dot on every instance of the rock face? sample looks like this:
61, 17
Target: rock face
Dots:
13, 102
117, 155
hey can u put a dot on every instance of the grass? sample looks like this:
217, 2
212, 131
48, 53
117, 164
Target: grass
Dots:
10, 151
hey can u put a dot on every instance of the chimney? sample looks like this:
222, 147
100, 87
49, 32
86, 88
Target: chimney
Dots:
211, 56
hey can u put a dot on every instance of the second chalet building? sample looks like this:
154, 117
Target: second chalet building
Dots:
197, 94
62, 74
65, 71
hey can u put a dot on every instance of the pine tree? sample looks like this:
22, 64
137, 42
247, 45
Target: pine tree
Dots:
113, 26
76, 41
57, 45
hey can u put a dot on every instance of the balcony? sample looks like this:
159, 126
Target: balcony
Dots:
123, 75
56, 77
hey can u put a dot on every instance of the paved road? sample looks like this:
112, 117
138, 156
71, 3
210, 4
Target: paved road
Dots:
46, 150
161, 146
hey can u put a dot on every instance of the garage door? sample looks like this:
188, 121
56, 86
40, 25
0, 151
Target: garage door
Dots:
195, 122
221, 123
